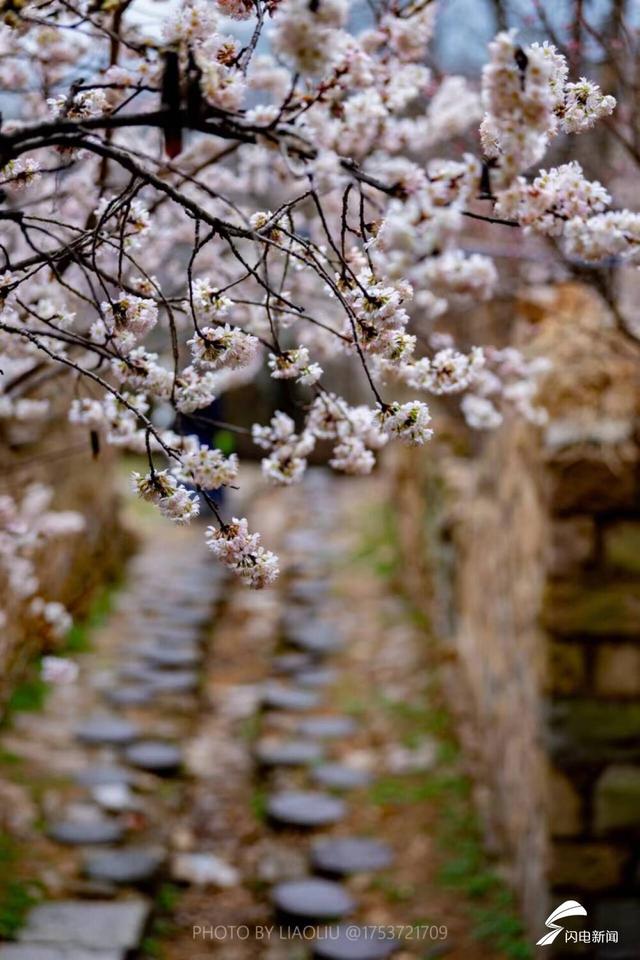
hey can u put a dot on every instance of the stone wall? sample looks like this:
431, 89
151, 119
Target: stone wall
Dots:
532, 543
69, 568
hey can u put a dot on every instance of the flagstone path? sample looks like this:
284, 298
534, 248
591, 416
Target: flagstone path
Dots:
234, 774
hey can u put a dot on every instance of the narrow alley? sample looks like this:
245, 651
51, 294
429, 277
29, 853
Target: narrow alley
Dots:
239, 774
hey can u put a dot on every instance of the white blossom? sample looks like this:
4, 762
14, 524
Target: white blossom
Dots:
242, 553
408, 422
59, 670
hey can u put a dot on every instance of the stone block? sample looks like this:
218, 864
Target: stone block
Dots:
617, 670
567, 668
572, 545
34, 951
622, 546
590, 610
594, 484
592, 731
565, 815
617, 799
87, 924
623, 916
587, 866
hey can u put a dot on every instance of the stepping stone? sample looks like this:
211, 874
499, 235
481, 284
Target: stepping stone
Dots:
78, 924
337, 776
172, 639
294, 619
312, 899
360, 943
180, 656
330, 727
344, 855
180, 617
130, 865
107, 731
316, 677
150, 627
316, 638
158, 756
79, 832
288, 753
131, 695
176, 681
300, 808
309, 591
103, 776
204, 869
138, 672
291, 662
276, 696
161, 681
115, 797
34, 951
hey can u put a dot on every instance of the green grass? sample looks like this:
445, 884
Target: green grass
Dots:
258, 804
465, 867
167, 897
28, 696
379, 545
393, 891
17, 896
163, 924
78, 639
10, 759
250, 728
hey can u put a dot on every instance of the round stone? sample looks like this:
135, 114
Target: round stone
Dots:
343, 855
130, 865
157, 756
312, 898
309, 591
276, 696
316, 638
294, 619
360, 943
330, 727
86, 832
288, 753
107, 731
179, 656
175, 641
130, 695
291, 662
178, 616
337, 776
174, 681
137, 672
103, 776
301, 808
316, 677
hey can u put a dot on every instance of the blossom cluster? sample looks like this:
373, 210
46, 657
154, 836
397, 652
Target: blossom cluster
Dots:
27, 525
296, 219
242, 553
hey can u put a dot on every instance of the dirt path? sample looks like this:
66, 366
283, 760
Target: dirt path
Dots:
229, 859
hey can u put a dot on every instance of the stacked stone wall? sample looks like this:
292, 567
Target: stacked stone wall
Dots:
69, 568
532, 547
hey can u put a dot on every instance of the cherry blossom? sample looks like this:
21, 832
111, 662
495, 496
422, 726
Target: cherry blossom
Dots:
268, 192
